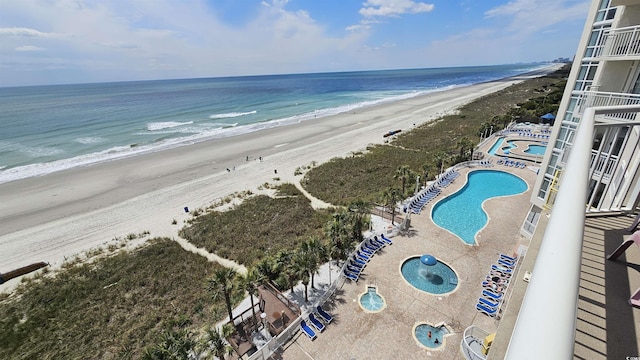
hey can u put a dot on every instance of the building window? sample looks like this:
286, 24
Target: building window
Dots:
585, 76
542, 194
604, 11
596, 40
532, 219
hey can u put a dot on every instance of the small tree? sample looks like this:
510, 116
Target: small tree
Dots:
390, 197
403, 172
222, 284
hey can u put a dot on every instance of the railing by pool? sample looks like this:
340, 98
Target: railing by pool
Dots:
471, 343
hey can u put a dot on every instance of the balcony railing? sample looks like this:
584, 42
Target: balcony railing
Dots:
621, 42
545, 328
603, 165
600, 98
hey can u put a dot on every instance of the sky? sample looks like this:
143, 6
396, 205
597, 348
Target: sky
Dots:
82, 41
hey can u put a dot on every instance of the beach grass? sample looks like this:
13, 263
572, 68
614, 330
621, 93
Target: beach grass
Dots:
259, 226
111, 307
116, 305
367, 175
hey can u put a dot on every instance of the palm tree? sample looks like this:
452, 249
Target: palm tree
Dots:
390, 197
303, 264
250, 283
173, 345
318, 251
287, 277
441, 159
427, 168
465, 144
222, 284
403, 172
217, 340
337, 231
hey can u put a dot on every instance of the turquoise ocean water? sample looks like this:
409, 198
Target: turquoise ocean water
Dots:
44, 129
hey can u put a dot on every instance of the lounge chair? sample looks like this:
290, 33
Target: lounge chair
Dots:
324, 315
307, 330
350, 276
509, 257
491, 294
378, 243
491, 312
386, 239
501, 268
507, 264
366, 251
363, 255
358, 260
316, 323
489, 302
370, 247
356, 264
354, 269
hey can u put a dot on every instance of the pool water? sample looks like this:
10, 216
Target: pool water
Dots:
536, 149
371, 300
462, 212
436, 339
496, 146
436, 279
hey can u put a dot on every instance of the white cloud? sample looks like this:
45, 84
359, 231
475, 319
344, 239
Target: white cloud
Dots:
393, 8
529, 16
27, 48
23, 32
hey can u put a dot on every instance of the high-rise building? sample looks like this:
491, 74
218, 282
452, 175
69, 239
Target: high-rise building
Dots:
574, 303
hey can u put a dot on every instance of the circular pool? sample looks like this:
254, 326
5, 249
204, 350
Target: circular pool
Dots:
371, 301
437, 279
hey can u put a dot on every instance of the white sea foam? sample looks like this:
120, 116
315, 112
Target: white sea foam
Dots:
194, 134
231, 115
89, 140
155, 126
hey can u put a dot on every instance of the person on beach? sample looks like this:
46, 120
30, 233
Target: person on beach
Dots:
275, 171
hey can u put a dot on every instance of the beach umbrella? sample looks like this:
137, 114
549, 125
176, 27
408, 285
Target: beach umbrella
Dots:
428, 260
548, 116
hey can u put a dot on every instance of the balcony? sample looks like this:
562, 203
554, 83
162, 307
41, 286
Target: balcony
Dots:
602, 164
620, 44
600, 98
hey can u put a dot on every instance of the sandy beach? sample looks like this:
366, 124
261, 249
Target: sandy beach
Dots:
52, 217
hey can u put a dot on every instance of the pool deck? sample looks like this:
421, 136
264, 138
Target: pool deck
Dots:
356, 334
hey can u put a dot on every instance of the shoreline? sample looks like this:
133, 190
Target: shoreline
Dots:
51, 217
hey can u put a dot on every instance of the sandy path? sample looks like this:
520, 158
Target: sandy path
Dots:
61, 214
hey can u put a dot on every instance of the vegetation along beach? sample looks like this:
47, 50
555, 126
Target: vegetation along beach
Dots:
153, 250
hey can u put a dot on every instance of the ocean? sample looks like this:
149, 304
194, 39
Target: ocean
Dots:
44, 129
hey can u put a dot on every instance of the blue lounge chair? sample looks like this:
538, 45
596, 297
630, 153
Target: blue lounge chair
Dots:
386, 239
370, 248
359, 261
307, 330
316, 323
489, 303
353, 269
491, 312
491, 294
324, 315
350, 276
362, 255
501, 268
366, 251
378, 243
512, 259
508, 264
356, 265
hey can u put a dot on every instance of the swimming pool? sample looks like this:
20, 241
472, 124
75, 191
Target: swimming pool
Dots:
496, 146
430, 336
437, 279
461, 212
536, 149
371, 301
